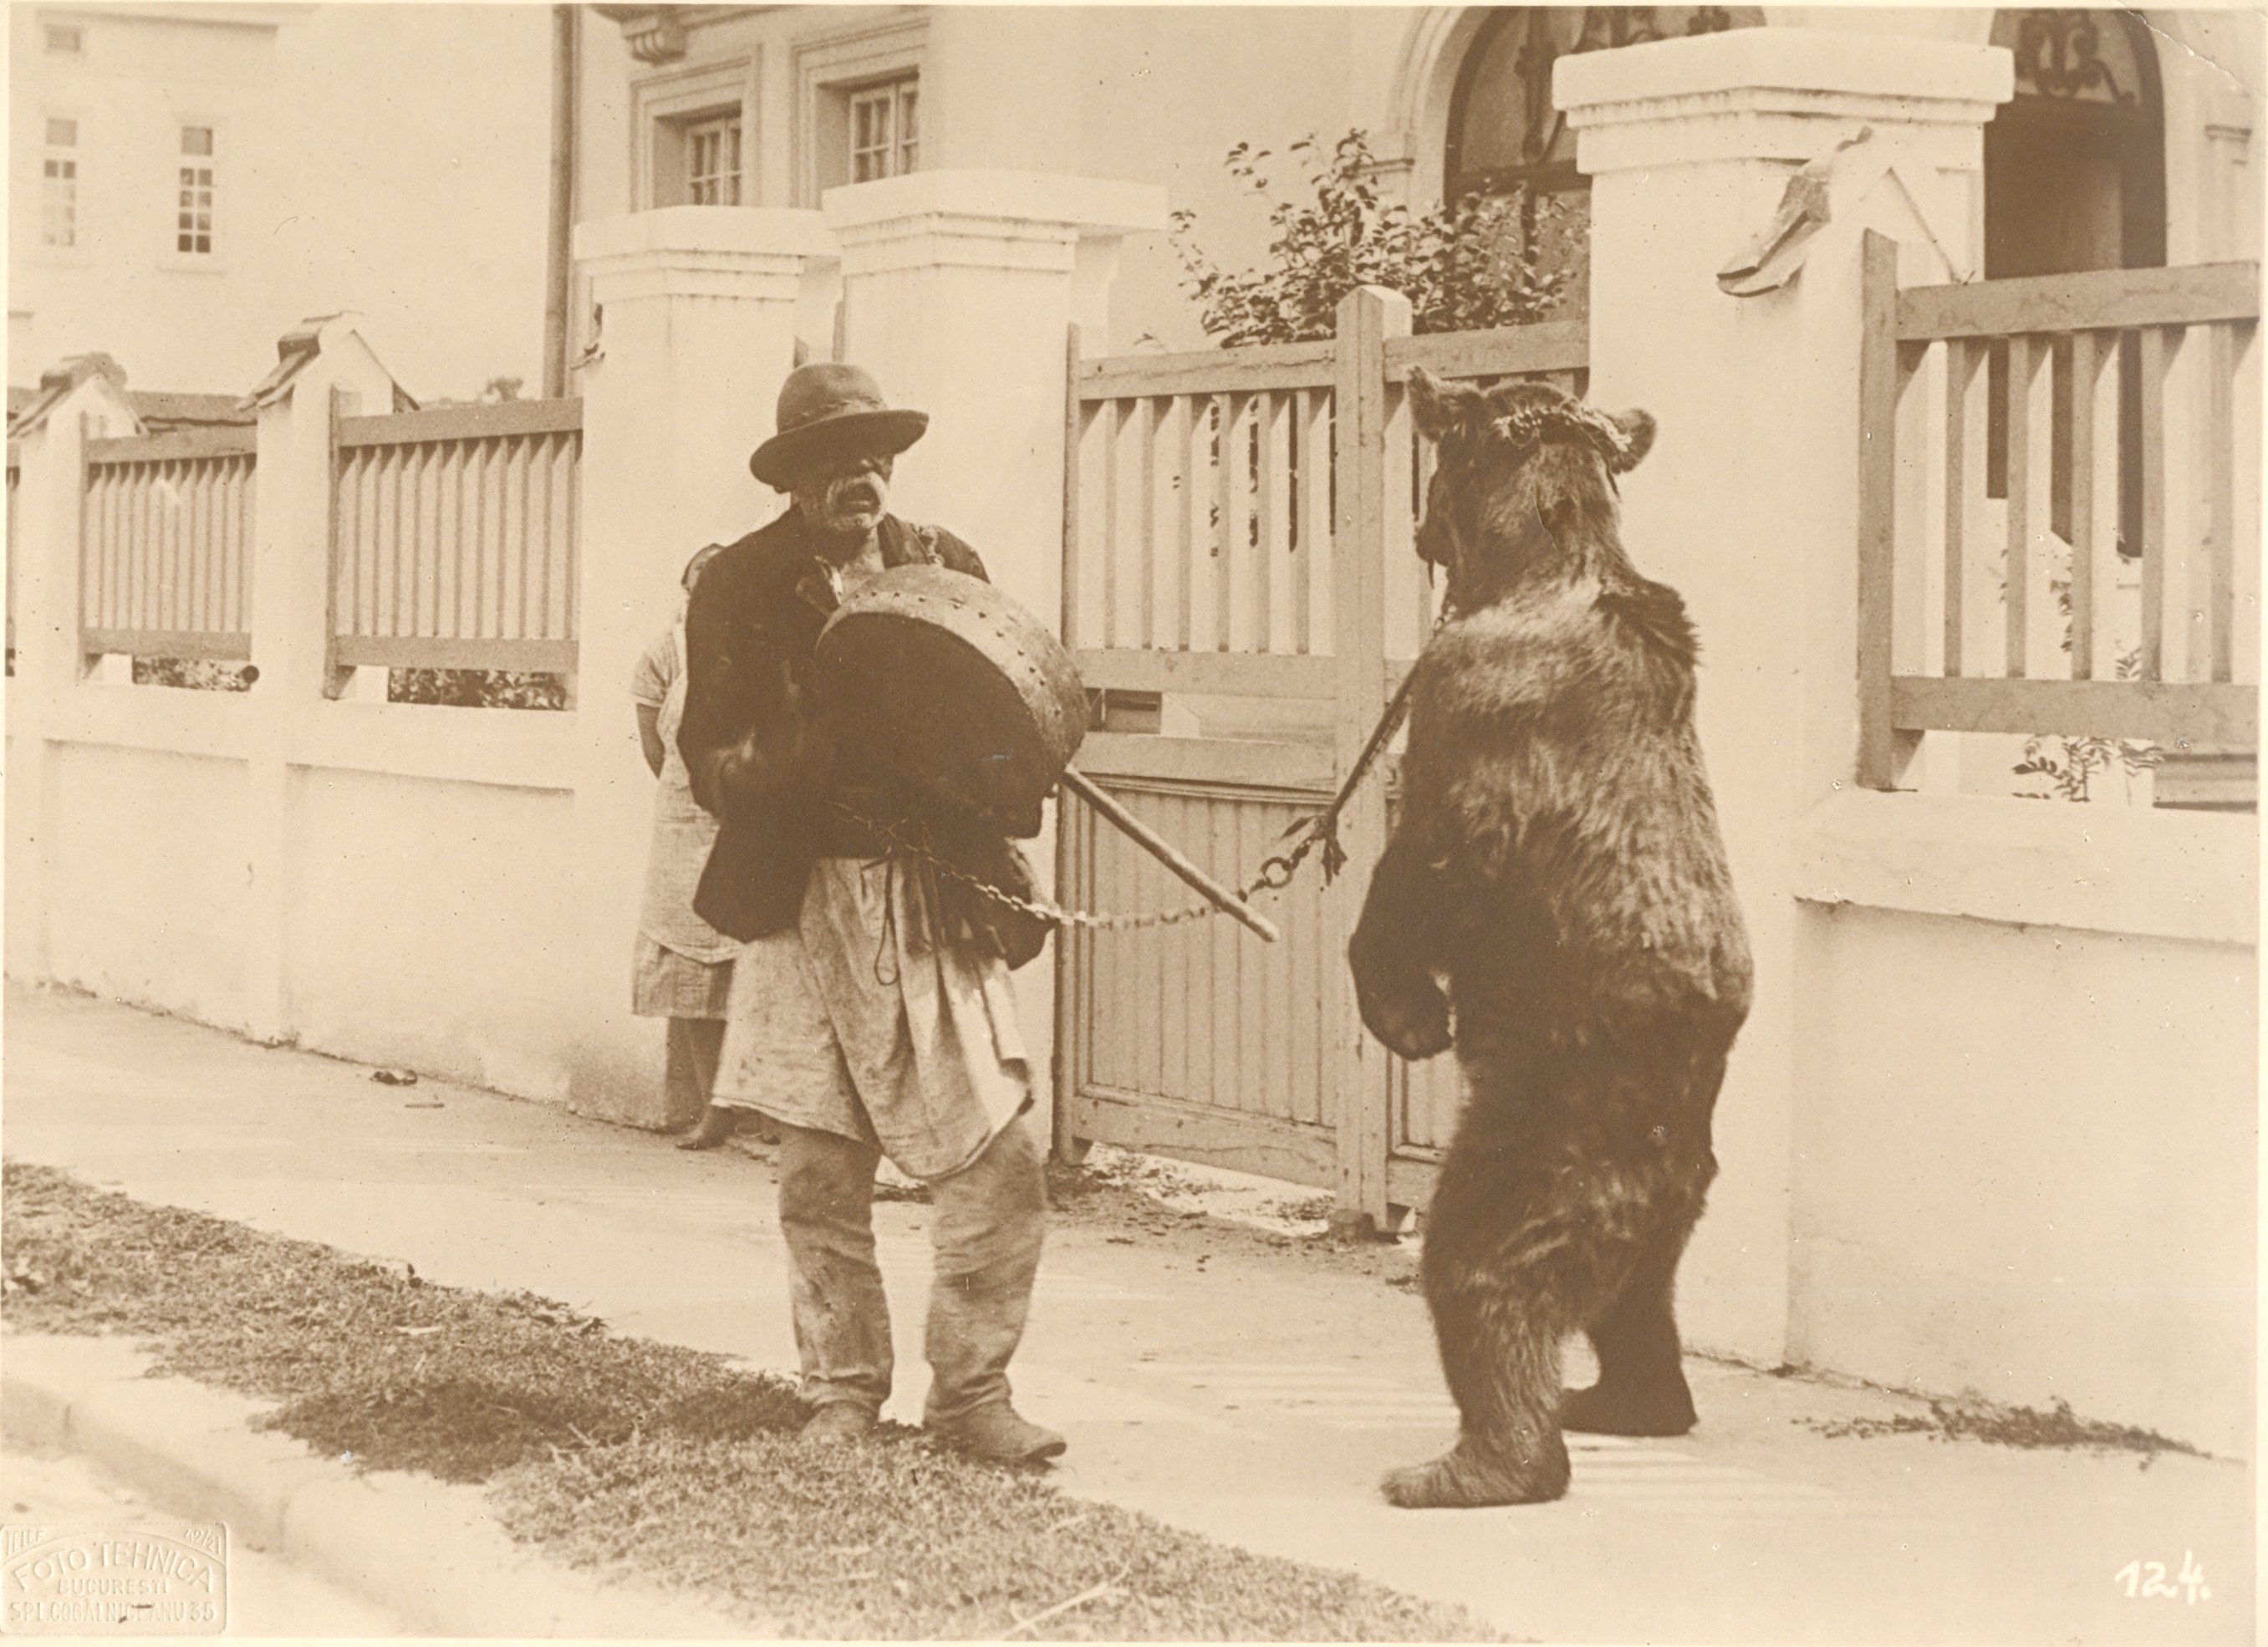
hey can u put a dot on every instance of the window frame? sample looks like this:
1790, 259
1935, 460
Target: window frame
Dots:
668, 107
727, 124
829, 71
171, 256
75, 152
893, 96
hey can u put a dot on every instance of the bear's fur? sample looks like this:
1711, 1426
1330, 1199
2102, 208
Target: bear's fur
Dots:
1557, 864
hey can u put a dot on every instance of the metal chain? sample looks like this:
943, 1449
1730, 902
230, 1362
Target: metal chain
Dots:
1270, 880
1321, 829
1275, 876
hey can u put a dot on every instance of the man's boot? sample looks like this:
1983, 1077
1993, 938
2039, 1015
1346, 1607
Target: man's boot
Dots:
998, 1434
838, 1423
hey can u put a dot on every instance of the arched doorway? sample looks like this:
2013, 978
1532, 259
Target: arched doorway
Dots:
2075, 180
2075, 163
1507, 139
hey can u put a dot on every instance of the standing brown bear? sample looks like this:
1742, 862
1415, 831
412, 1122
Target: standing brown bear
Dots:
1558, 863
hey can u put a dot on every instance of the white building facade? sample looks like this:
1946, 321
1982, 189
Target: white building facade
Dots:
186, 182
133, 182
2139, 130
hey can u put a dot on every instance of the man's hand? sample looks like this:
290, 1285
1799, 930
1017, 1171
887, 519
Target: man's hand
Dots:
758, 762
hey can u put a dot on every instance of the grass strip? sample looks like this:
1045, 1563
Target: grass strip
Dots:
669, 1464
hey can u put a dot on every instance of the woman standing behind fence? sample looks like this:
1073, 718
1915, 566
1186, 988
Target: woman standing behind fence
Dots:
684, 966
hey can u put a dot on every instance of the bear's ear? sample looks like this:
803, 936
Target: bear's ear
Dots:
1636, 429
1442, 409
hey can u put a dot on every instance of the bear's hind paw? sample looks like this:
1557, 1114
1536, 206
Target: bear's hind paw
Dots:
1464, 1478
1598, 1411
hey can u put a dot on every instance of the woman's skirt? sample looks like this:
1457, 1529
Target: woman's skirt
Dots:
666, 984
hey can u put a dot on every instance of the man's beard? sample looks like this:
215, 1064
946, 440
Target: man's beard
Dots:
846, 508
847, 500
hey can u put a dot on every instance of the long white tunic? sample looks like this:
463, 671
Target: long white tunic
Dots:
853, 1022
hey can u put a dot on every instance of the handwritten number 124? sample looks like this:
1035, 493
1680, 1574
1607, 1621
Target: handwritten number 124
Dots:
2148, 1579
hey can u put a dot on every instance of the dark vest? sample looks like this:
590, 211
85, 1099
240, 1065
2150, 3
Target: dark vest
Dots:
751, 629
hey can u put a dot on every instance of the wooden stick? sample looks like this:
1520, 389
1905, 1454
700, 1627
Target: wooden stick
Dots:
1135, 830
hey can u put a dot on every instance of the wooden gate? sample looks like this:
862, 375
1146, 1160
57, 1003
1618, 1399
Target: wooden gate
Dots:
1242, 594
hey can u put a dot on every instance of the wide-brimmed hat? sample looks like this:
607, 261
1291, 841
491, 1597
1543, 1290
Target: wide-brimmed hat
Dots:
829, 409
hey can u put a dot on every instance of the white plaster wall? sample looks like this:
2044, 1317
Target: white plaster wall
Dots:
16, 920
428, 926
1151, 94
1164, 94
2214, 66
602, 162
149, 879
2026, 1165
385, 158
410, 172
427, 914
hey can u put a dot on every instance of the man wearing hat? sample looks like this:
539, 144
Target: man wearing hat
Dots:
871, 1011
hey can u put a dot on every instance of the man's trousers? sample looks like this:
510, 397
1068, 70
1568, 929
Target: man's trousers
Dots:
988, 1223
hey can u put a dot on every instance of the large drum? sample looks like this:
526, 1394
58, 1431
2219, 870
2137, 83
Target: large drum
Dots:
943, 681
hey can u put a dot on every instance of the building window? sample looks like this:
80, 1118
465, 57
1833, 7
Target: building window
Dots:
858, 105
66, 39
1507, 141
885, 134
713, 161
59, 184
698, 136
193, 221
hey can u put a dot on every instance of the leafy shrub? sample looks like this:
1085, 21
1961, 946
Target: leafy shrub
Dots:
476, 688
197, 674
1464, 265
2065, 766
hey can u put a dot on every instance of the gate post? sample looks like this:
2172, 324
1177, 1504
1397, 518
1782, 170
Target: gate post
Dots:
1367, 316
83, 398
958, 288
320, 364
1748, 503
698, 316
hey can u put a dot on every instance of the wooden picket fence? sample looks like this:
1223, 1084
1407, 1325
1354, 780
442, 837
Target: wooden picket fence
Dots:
453, 538
453, 541
2103, 410
1240, 577
165, 545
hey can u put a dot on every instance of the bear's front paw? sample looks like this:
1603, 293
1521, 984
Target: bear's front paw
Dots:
1411, 1022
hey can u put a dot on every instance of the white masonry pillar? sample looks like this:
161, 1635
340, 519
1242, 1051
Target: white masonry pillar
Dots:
325, 369
83, 399
958, 290
1747, 504
698, 308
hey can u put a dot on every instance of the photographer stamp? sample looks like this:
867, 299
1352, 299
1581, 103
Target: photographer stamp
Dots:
102, 1579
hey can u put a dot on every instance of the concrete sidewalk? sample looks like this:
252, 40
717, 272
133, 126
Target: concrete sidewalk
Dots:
1243, 1390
